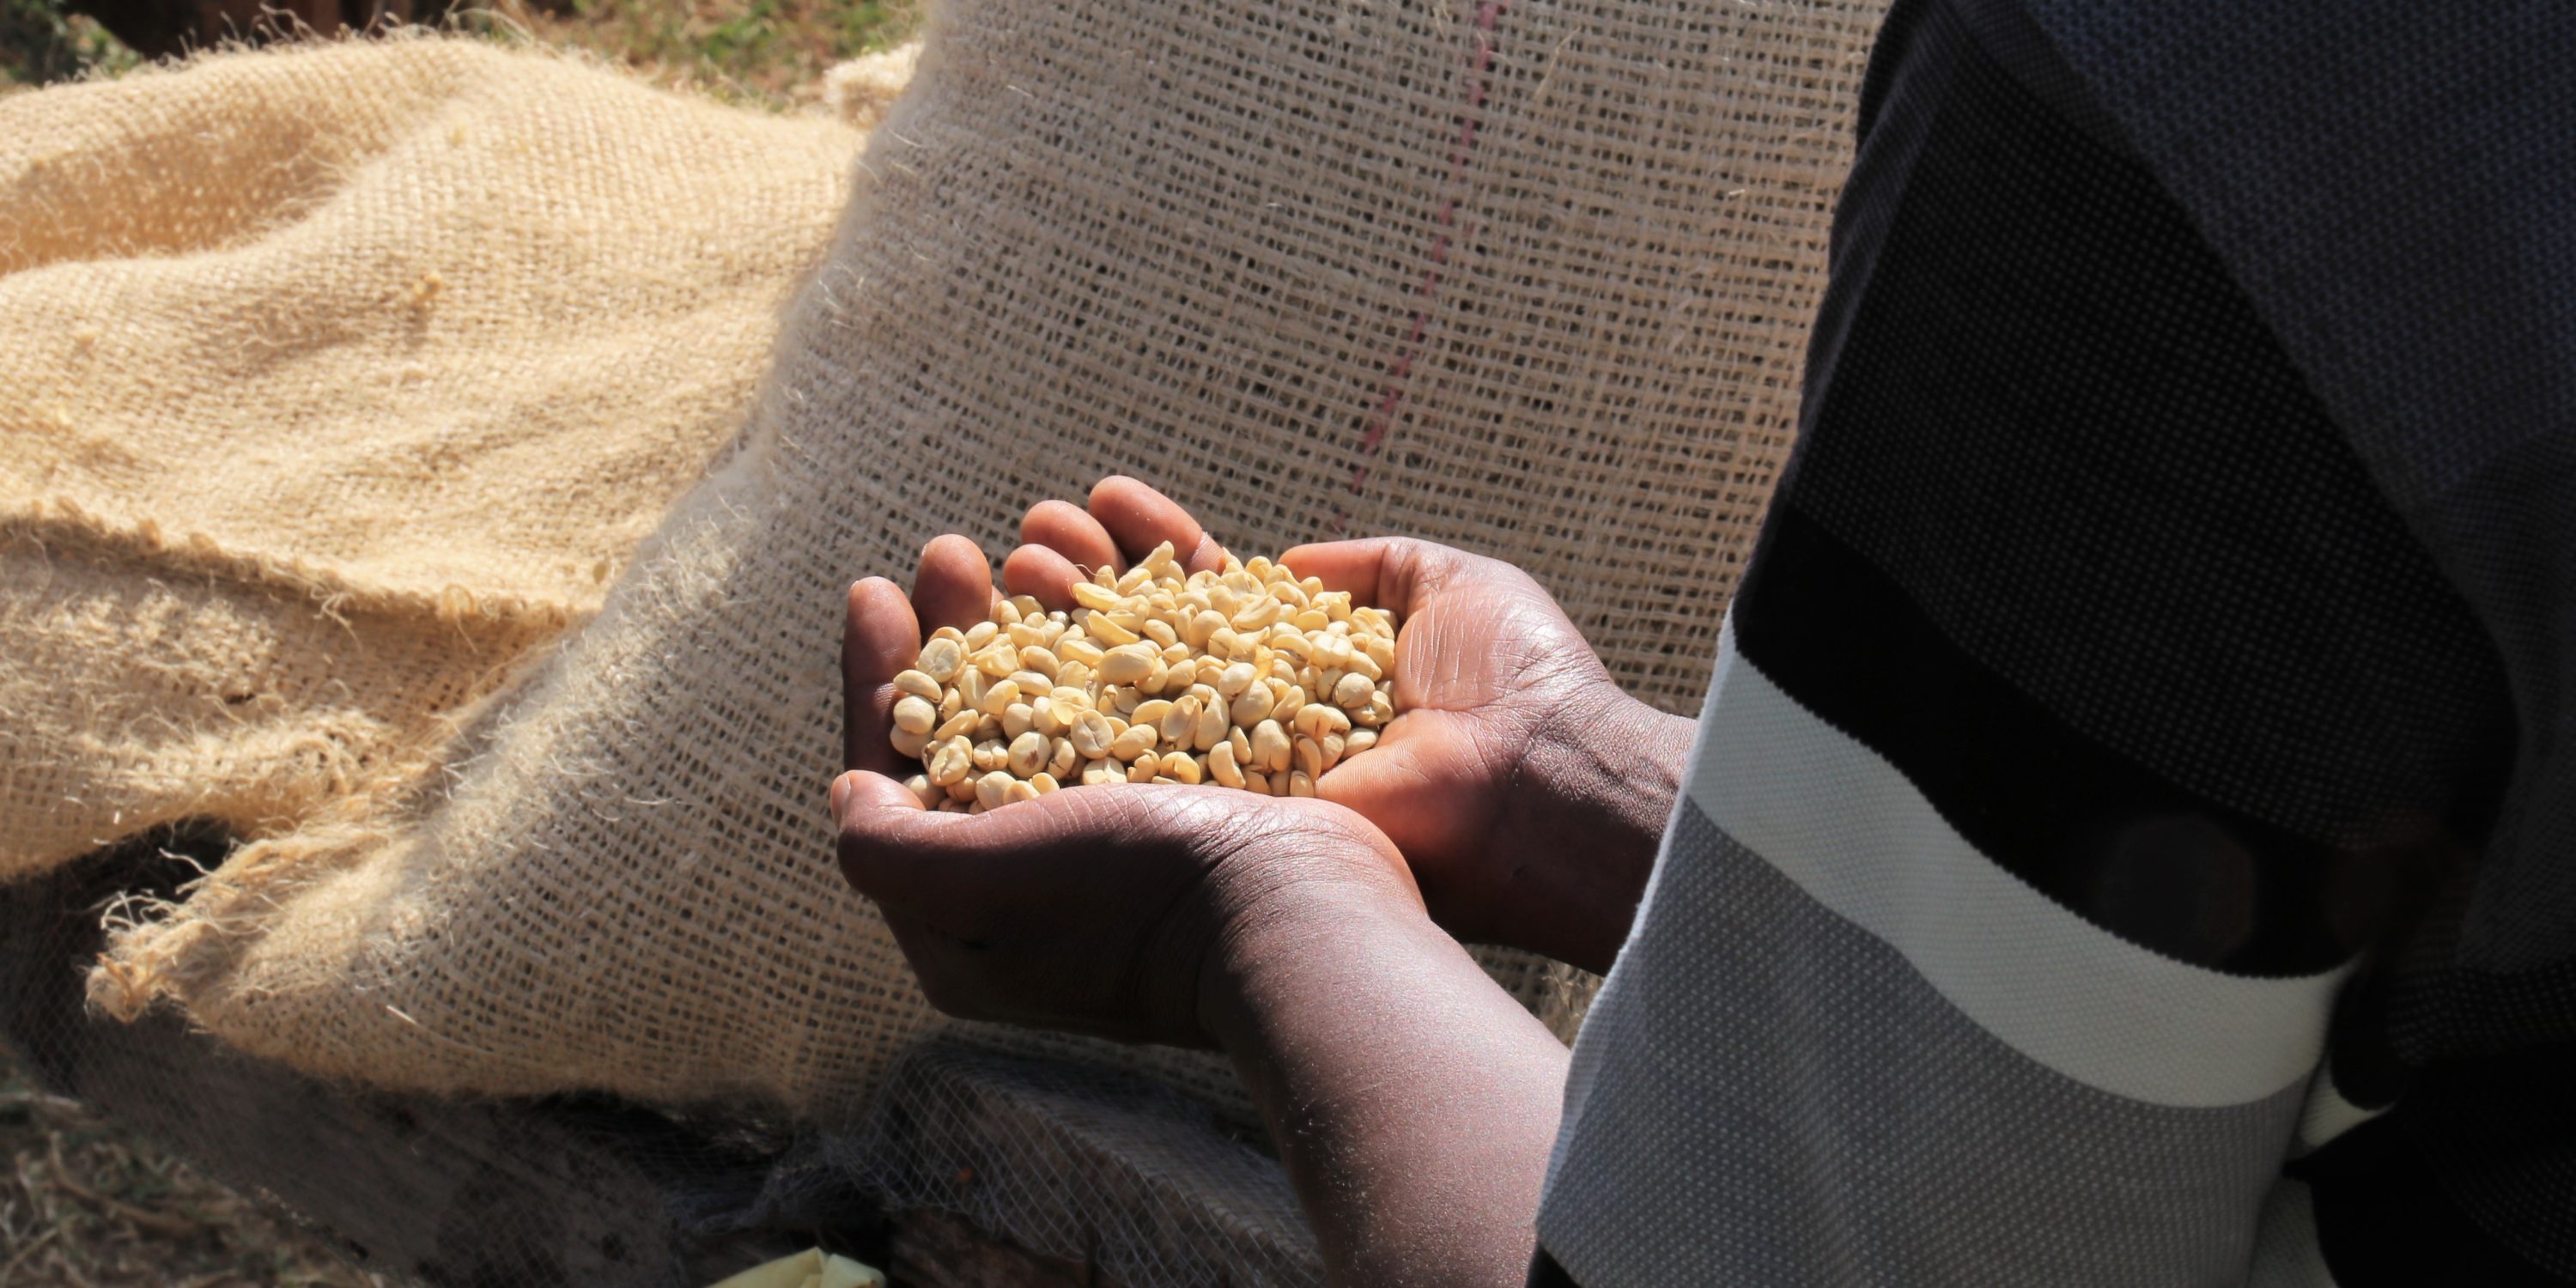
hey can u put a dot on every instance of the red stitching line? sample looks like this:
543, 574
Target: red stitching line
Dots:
1374, 437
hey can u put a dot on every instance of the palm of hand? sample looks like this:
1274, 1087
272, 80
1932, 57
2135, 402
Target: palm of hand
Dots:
1494, 693
1487, 670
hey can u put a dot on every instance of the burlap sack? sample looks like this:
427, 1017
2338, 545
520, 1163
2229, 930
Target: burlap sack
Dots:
334, 381
1531, 278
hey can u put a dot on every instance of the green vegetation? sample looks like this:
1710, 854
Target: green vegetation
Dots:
86, 1201
766, 52
41, 41
769, 52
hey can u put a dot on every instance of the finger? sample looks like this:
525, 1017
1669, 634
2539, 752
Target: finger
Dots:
1043, 572
1141, 518
879, 636
955, 585
1070, 531
1397, 574
871, 810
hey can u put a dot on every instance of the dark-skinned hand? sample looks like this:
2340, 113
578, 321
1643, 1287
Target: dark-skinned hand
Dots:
1108, 910
1524, 788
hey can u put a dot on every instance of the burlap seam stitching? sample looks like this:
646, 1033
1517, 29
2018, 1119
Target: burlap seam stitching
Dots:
1426, 291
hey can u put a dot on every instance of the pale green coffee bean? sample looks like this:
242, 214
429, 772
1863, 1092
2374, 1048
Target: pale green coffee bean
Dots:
999, 698
915, 714
1028, 753
1091, 735
1310, 757
1252, 708
1100, 627
1315, 719
940, 659
1046, 717
1136, 743
1204, 627
1234, 679
1179, 726
1255, 615
1354, 691
989, 789
952, 761
1221, 766
1126, 664
998, 661
1270, 746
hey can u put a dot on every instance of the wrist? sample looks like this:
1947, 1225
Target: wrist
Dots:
1288, 948
1588, 822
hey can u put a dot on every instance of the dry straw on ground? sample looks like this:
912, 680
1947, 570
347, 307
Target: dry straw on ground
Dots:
1531, 278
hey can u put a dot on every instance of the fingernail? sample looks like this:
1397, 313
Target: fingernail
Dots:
840, 796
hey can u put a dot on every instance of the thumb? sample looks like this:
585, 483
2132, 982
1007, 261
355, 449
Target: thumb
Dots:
875, 816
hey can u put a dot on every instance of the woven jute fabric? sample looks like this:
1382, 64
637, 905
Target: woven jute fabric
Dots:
1531, 278
335, 382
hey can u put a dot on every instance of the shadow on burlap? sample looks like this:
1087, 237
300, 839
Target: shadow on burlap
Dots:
1530, 278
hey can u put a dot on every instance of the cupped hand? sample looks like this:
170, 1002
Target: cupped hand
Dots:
1120, 910
1525, 790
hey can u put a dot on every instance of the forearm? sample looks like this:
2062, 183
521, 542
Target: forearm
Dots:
1413, 1100
1585, 826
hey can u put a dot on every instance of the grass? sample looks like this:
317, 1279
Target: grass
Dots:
766, 53
41, 42
86, 1202
769, 52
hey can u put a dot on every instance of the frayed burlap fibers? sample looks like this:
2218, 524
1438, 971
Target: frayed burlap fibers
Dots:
1532, 278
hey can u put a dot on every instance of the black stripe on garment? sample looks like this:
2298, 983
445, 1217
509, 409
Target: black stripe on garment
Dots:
1545, 1273
2385, 1220
2094, 831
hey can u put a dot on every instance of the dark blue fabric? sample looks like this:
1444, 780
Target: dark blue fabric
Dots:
2394, 183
